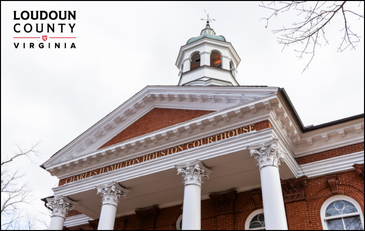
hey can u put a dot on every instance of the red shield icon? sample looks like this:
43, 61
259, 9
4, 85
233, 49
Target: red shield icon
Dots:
44, 37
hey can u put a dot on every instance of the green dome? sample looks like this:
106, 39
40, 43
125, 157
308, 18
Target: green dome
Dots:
217, 37
207, 32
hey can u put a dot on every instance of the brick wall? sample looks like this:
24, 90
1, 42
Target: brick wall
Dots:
331, 153
154, 120
301, 215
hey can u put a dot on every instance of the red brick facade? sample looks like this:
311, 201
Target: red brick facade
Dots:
331, 153
154, 120
301, 215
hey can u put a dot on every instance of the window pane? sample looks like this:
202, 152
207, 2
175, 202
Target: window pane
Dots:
255, 224
339, 205
261, 218
257, 221
332, 205
349, 208
353, 223
332, 212
335, 224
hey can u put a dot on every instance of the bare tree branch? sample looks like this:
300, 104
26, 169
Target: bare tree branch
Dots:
310, 31
22, 153
14, 193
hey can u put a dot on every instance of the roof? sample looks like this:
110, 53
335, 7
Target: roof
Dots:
216, 37
207, 32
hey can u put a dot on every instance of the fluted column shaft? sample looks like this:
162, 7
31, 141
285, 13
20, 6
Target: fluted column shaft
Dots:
192, 174
268, 157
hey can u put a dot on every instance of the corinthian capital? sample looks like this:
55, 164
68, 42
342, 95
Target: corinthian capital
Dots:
111, 192
193, 172
60, 206
266, 154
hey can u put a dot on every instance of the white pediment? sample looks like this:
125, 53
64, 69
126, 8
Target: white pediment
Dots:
169, 97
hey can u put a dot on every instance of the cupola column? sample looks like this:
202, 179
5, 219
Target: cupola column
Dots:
186, 65
60, 207
268, 157
225, 62
110, 194
205, 58
192, 174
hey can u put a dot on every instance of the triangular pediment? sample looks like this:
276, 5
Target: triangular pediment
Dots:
177, 103
154, 120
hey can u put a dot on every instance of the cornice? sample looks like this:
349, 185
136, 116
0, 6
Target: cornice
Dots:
284, 125
332, 165
336, 136
329, 137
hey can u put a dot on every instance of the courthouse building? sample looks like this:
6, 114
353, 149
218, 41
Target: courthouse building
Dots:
210, 154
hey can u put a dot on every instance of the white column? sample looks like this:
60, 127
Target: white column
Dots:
186, 66
60, 206
205, 58
110, 193
268, 157
225, 62
192, 174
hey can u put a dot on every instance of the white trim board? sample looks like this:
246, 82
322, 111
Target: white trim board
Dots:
332, 165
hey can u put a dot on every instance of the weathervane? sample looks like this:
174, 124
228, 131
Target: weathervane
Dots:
208, 20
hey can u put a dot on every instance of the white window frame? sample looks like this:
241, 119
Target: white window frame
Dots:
250, 217
336, 198
178, 222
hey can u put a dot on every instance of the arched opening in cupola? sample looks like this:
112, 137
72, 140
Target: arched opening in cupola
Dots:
195, 61
215, 60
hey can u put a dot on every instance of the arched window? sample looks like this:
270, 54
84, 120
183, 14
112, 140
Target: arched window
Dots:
179, 223
255, 221
195, 61
215, 60
341, 213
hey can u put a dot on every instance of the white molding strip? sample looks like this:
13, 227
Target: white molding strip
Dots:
332, 165
80, 219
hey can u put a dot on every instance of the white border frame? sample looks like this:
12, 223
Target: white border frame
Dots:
335, 198
249, 218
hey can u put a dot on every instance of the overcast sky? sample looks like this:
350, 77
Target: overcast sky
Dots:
53, 95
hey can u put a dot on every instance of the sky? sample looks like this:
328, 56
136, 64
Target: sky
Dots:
53, 95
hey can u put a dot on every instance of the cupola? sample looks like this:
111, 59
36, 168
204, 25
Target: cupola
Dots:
207, 60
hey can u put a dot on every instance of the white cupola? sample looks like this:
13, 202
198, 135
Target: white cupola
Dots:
207, 60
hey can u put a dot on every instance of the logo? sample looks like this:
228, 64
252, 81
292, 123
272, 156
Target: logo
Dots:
44, 29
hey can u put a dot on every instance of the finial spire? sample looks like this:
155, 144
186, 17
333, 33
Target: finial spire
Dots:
207, 19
